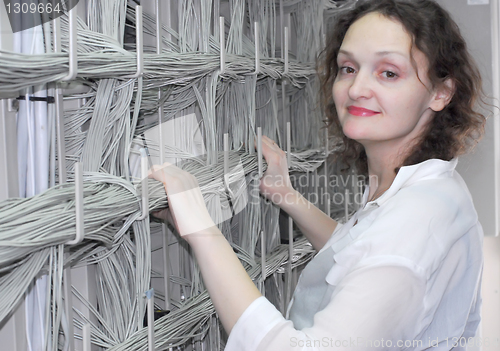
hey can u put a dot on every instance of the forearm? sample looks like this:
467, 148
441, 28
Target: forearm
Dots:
229, 286
314, 223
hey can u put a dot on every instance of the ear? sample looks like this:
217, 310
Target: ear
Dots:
442, 96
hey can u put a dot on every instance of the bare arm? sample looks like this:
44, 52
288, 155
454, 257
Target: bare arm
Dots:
316, 225
276, 186
227, 282
229, 286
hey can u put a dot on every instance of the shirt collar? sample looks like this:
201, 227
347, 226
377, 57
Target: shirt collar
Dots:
430, 169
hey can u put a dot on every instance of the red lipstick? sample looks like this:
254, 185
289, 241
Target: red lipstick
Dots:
359, 111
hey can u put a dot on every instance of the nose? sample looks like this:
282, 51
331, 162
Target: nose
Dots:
361, 86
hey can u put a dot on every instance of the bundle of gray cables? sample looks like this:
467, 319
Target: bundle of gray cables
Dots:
29, 226
185, 78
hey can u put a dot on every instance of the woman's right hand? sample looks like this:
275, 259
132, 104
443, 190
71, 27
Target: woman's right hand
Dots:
275, 184
187, 209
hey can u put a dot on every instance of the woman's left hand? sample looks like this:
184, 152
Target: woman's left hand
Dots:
186, 205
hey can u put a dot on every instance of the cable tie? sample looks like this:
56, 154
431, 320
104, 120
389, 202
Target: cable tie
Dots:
48, 99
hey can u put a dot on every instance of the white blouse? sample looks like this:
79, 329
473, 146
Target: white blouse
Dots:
407, 276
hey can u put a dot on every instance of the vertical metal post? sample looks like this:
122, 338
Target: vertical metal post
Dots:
73, 57
139, 42
151, 320
164, 229
9, 185
144, 185
284, 107
222, 45
80, 233
327, 204
166, 266
263, 240
87, 343
12, 330
216, 15
61, 149
159, 50
226, 154
282, 25
290, 222
285, 71
62, 176
168, 18
257, 47
326, 163
68, 305
346, 205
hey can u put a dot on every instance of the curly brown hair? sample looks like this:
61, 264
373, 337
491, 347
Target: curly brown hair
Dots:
453, 131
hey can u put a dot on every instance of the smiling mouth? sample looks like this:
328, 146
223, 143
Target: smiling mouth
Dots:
359, 111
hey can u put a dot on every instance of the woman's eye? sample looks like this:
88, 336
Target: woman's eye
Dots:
390, 74
347, 69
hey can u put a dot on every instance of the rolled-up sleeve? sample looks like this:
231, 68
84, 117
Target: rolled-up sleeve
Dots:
373, 307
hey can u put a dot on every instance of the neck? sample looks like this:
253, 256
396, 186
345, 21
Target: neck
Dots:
382, 160
384, 156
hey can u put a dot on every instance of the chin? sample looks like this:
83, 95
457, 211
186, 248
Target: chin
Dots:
354, 131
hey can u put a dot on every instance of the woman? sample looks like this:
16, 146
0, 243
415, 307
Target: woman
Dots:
404, 272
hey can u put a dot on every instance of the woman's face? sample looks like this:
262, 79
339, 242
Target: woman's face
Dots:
377, 93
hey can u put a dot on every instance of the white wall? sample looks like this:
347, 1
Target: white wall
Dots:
478, 168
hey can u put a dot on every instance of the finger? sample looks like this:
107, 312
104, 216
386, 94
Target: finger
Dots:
164, 172
156, 173
175, 180
267, 150
164, 215
159, 214
269, 143
270, 150
272, 144
264, 139
158, 167
153, 169
256, 142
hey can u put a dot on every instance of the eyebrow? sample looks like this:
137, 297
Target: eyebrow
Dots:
379, 53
